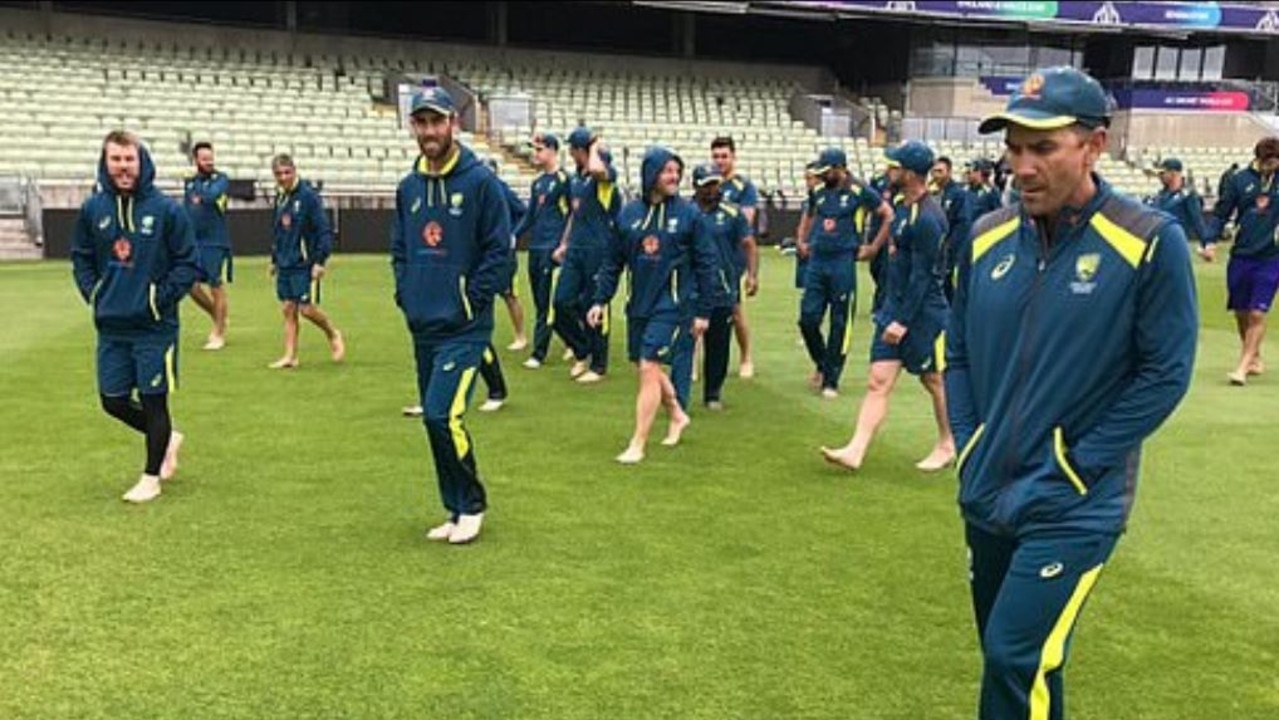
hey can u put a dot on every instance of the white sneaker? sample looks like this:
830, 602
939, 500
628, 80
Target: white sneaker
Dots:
147, 489
441, 532
215, 343
169, 467
532, 363
568, 354
467, 529
517, 345
579, 367
411, 410
830, 393
589, 377
1237, 379
492, 404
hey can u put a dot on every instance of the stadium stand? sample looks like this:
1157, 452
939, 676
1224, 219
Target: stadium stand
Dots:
64, 92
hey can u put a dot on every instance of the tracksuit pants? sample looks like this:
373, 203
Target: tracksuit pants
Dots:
1027, 596
541, 280
829, 284
446, 372
573, 296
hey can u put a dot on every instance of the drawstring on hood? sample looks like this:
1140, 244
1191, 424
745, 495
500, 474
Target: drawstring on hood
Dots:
460, 159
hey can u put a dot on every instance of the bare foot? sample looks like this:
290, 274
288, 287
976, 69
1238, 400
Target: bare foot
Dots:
679, 423
338, 346
1257, 367
631, 456
940, 458
841, 457
284, 363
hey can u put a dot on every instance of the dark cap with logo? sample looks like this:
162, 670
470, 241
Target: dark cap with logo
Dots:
913, 155
434, 99
546, 140
1053, 98
705, 174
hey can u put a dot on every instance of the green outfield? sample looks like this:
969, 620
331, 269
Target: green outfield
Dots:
284, 573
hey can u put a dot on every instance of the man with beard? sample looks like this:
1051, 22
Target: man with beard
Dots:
449, 244
205, 195
835, 215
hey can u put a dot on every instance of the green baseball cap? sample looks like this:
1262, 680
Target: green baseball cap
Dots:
1052, 98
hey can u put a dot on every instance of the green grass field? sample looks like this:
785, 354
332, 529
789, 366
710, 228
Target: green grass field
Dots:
284, 574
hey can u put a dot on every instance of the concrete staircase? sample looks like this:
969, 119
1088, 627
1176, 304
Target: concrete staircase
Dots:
15, 243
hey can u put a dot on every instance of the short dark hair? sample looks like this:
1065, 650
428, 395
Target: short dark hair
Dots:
121, 137
945, 161
202, 145
724, 141
1267, 148
282, 160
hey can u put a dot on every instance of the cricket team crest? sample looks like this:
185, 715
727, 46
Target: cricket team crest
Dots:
1086, 266
432, 234
1033, 84
286, 221
828, 225
651, 245
455, 204
122, 249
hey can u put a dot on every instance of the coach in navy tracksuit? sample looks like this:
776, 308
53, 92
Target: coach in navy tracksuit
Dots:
1071, 339
448, 250
133, 258
664, 245
545, 221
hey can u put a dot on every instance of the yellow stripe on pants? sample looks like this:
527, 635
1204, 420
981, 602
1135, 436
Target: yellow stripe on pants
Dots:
170, 377
939, 352
1054, 651
555, 281
460, 440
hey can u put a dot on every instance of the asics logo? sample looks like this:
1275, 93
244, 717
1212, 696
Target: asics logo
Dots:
1052, 570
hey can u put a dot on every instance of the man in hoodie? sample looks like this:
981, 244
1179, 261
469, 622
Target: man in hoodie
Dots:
588, 237
730, 232
133, 257
953, 198
909, 327
1249, 197
545, 221
664, 244
303, 241
449, 244
740, 192
1071, 339
836, 216
205, 196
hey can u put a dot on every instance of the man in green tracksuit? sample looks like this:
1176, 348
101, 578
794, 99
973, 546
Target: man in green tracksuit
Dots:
1071, 339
